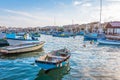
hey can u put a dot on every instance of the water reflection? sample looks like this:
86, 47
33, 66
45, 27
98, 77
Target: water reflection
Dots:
55, 74
24, 55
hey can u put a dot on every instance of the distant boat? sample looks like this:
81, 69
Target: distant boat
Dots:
53, 59
22, 48
81, 32
3, 41
16, 39
91, 36
63, 34
36, 35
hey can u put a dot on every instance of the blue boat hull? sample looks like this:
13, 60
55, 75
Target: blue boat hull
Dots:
81, 33
91, 36
108, 42
60, 35
47, 66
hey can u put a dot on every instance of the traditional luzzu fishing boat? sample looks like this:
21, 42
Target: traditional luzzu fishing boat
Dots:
91, 31
108, 42
22, 48
91, 36
14, 39
81, 32
60, 34
53, 59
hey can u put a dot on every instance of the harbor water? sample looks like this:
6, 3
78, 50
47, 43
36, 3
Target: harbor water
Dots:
88, 62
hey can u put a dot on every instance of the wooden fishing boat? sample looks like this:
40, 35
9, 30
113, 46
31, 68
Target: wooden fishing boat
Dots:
53, 59
21, 48
81, 32
91, 36
108, 42
21, 41
21, 38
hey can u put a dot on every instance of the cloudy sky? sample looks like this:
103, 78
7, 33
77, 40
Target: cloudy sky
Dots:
32, 13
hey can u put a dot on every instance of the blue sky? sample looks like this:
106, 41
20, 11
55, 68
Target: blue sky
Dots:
32, 13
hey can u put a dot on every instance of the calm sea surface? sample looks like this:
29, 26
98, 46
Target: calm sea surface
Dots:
92, 62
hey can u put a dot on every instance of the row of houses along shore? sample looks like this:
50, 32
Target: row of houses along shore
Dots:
91, 27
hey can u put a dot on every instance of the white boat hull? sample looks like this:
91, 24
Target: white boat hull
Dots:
17, 41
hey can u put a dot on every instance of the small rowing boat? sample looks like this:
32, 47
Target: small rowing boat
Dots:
53, 59
22, 48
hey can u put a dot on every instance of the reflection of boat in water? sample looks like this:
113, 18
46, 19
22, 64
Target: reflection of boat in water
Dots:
21, 48
54, 74
53, 59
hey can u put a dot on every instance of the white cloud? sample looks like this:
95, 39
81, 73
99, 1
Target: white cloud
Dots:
111, 12
26, 14
18, 12
76, 3
86, 4
113, 0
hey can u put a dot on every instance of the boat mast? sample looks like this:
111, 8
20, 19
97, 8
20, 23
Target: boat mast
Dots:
54, 21
100, 25
72, 21
100, 12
